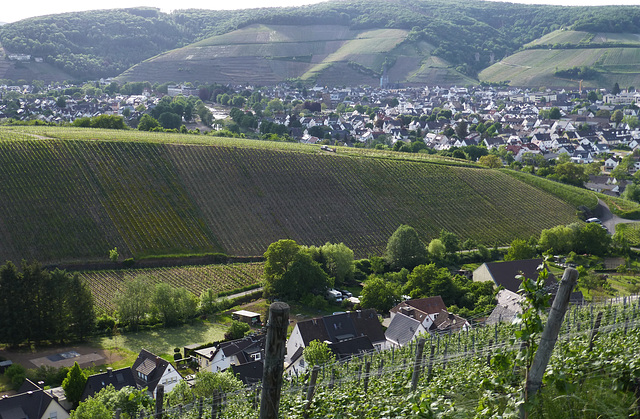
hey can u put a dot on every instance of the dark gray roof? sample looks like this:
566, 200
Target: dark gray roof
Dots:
402, 329
250, 372
342, 326
504, 273
31, 404
350, 347
118, 379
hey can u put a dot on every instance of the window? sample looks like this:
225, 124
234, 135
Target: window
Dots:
53, 415
256, 357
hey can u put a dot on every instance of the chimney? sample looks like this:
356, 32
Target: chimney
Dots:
110, 371
157, 361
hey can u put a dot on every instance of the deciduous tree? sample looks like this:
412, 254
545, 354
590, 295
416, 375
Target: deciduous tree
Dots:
405, 249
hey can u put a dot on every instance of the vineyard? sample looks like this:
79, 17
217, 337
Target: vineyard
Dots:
196, 279
470, 374
76, 196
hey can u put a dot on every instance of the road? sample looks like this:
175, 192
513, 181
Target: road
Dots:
609, 219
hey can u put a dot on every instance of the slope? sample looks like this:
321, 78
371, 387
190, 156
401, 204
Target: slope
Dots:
74, 199
268, 54
613, 57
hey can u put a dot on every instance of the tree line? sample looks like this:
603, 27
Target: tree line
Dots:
38, 305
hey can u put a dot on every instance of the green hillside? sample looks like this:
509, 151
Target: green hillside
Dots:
614, 57
66, 198
326, 54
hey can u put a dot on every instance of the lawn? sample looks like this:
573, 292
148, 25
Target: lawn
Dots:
161, 341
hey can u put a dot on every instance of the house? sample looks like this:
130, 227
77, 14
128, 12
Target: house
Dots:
346, 349
333, 329
118, 379
235, 352
505, 273
403, 329
31, 402
424, 310
446, 322
149, 370
507, 308
245, 316
250, 373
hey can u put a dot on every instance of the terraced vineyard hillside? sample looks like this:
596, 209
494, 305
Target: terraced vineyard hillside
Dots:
327, 54
71, 199
614, 56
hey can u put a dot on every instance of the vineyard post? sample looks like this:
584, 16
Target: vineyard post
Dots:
489, 352
626, 325
549, 335
200, 406
142, 414
430, 369
159, 400
367, 368
380, 367
444, 356
417, 364
496, 333
333, 378
311, 389
594, 331
274, 360
118, 413
359, 373
214, 404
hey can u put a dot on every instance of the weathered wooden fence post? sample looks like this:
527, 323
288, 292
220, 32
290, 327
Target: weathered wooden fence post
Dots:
417, 364
430, 368
367, 368
311, 389
118, 413
159, 400
274, 360
200, 406
594, 331
549, 335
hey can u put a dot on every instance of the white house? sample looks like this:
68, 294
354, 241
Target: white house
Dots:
235, 352
150, 370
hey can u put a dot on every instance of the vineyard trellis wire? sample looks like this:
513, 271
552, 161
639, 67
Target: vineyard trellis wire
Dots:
454, 361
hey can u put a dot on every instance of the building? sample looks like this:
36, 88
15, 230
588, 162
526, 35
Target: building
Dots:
118, 379
31, 402
507, 274
149, 370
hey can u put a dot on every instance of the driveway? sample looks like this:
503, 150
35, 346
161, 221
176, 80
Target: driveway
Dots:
609, 219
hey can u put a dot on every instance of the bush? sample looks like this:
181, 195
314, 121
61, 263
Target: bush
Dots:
105, 323
129, 262
16, 374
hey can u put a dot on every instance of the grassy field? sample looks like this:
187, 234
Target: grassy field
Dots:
161, 341
151, 194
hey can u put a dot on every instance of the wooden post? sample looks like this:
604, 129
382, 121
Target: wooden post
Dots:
159, 400
200, 405
333, 379
549, 335
367, 368
214, 404
626, 325
311, 388
380, 367
118, 413
430, 369
594, 331
444, 356
490, 351
142, 413
359, 373
274, 360
417, 364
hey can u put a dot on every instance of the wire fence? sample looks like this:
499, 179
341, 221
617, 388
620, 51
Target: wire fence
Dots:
359, 371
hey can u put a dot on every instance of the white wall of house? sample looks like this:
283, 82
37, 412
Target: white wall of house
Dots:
55, 411
169, 379
293, 343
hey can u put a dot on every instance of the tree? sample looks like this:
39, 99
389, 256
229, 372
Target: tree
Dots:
317, 353
279, 257
13, 309
73, 384
114, 255
61, 102
207, 382
170, 120
338, 260
163, 304
519, 250
491, 161
437, 250
182, 393
593, 239
450, 241
379, 294
133, 303
405, 249
462, 128
554, 113
128, 399
80, 305
592, 96
617, 116
616, 89
237, 330
208, 301
147, 123
557, 240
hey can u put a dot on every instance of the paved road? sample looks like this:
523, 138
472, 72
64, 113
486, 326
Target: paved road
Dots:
609, 219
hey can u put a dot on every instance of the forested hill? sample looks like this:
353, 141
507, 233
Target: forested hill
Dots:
467, 34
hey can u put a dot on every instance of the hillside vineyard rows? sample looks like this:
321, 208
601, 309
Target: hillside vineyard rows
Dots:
78, 199
195, 279
471, 374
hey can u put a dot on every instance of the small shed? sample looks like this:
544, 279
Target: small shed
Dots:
246, 316
4, 365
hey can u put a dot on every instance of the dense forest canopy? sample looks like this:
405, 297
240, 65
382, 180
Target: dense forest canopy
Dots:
468, 34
